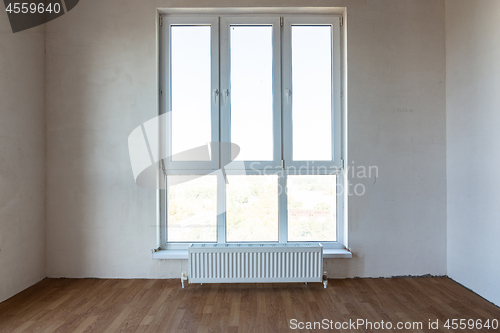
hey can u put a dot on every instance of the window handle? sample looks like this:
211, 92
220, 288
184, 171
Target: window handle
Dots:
288, 93
216, 95
226, 94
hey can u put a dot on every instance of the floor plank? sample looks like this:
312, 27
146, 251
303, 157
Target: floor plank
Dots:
93, 305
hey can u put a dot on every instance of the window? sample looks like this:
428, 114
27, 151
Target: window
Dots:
269, 85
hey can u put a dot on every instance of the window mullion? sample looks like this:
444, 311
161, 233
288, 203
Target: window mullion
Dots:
284, 143
282, 208
286, 89
222, 128
221, 207
215, 86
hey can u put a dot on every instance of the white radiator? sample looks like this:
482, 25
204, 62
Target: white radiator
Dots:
218, 263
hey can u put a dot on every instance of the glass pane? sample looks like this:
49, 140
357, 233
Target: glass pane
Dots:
252, 208
251, 91
191, 87
312, 208
312, 93
192, 209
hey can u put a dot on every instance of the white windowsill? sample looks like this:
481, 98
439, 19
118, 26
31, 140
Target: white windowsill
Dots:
337, 254
183, 254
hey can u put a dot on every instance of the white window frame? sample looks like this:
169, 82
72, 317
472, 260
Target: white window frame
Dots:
166, 103
336, 88
281, 116
225, 23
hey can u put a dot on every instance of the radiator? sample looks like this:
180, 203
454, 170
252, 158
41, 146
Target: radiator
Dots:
230, 263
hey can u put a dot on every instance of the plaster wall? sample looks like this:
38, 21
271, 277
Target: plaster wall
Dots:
473, 143
22, 158
101, 84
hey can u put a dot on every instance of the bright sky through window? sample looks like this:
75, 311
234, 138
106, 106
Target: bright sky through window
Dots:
191, 87
312, 93
251, 50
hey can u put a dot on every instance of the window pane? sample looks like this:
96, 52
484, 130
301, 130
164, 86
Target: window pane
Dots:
191, 87
192, 209
312, 93
312, 207
252, 208
251, 91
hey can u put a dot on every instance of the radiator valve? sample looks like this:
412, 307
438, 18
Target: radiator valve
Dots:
184, 277
325, 279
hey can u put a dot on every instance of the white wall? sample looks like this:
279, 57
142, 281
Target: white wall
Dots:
22, 158
473, 144
101, 74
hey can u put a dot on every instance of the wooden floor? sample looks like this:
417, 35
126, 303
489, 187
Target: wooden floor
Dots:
92, 305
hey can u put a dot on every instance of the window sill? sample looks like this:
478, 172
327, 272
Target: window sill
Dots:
183, 254
337, 254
